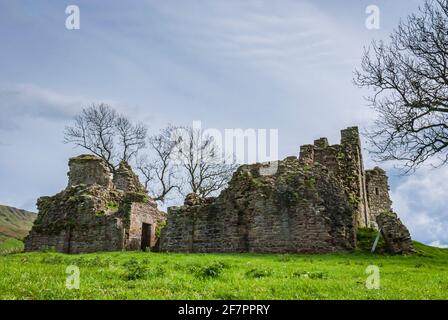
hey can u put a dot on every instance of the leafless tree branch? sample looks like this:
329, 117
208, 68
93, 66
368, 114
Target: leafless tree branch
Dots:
107, 134
410, 81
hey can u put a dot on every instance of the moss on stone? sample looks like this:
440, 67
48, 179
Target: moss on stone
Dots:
112, 206
310, 183
130, 197
365, 237
159, 226
353, 199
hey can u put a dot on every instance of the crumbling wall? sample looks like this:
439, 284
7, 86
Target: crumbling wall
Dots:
126, 180
396, 235
311, 204
87, 169
345, 161
91, 214
299, 209
378, 192
79, 219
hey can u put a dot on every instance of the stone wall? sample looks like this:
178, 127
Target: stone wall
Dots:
299, 209
143, 213
78, 219
395, 234
87, 169
378, 191
313, 203
126, 180
345, 161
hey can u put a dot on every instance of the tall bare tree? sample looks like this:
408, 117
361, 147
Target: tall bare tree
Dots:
158, 169
410, 82
205, 169
107, 134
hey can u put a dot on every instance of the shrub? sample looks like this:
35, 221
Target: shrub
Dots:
419, 265
256, 273
134, 270
53, 259
284, 258
93, 262
212, 270
157, 272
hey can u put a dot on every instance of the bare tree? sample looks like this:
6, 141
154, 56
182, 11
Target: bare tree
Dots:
410, 81
131, 138
159, 171
206, 171
107, 134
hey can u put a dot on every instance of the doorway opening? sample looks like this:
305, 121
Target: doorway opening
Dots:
146, 236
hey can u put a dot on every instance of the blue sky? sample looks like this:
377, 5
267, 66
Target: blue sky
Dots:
286, 65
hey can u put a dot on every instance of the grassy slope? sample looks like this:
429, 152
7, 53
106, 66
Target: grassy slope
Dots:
15, 223
237, 276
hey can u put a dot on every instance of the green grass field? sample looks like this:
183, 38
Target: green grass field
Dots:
142, 275
10, 245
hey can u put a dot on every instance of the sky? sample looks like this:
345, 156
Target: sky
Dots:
285, 65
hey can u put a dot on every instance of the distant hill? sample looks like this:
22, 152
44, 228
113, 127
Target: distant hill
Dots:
15, 223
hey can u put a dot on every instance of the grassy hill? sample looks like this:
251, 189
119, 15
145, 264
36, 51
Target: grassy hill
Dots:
142, 275
14, 226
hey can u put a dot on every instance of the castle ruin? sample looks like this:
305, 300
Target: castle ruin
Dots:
312, 203
97, 211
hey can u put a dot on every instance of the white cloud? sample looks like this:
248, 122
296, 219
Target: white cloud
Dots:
421, 202
438, 244
31, 100
295, 34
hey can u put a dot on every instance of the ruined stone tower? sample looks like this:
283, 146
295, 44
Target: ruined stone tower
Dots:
345, 161
377, 192
96, 212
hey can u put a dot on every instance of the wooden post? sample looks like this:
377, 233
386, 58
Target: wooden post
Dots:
375, 243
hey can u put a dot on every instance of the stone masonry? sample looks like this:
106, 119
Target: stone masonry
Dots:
396, 235
377, 192
313, 203
299, 209
96, 212
345, 161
